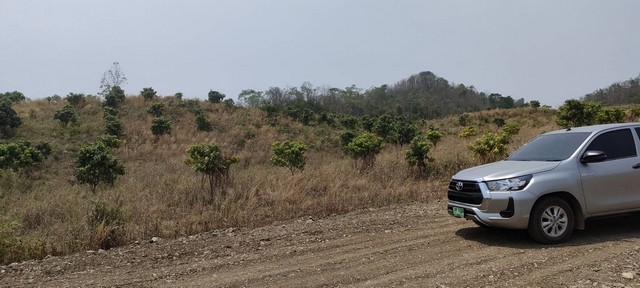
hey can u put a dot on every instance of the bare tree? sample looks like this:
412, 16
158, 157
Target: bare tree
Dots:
112, 77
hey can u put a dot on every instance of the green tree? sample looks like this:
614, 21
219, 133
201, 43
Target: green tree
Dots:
365, 147
490, 146
434, 135
208, 159
306, 116
499, 121
112, 125
417, 154
289, 154
215, 96
463, 119
75, 99
148, 93
575, 113
66, 115
534, 104
94, 163
346, 138
8, 118
203, 123
467, 132
12, 97
156, 109
115, 97
251, 98
510, 129
22, 154
160, 126
610, 115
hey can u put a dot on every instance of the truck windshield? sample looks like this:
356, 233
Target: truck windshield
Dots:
550, 147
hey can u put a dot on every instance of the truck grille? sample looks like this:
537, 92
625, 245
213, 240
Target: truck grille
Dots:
470, 192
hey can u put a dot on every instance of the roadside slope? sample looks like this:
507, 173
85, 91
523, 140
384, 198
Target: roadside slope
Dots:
411, 245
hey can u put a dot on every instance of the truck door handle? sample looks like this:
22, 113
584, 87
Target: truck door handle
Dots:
636, 166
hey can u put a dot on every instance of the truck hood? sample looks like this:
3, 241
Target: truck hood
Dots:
504, 170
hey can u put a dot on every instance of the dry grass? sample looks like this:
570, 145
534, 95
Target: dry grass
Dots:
42, 213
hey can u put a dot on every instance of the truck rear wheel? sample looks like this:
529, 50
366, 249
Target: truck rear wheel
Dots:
551, 221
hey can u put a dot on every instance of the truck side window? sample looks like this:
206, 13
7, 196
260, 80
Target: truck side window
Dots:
616, 144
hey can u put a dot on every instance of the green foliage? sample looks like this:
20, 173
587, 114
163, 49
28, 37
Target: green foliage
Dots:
66, 115
208, 159
94, 163
575, 113
634, 113
251, 98
305, 116
113, 126
160, 126
417, 154
347, 137
229, 103
499, 121
610, 115
625, 92
434, 135
109, 111
289, 154
511, 129
178, 95
467, 132
75, 99
203, 123
365, 147
115, 97
22, 154
490, 146
11, 97
156, 109
8, 118
327, 118
534, 104
215, 96
348, 122
110, 141
148, 93
394, 129
463, 119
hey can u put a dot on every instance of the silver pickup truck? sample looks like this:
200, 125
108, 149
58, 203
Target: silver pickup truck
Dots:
552, 184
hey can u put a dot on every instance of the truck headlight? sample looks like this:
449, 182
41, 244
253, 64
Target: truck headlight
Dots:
511, 184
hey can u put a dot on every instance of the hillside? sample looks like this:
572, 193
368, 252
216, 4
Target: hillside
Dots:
625, 92
46, 212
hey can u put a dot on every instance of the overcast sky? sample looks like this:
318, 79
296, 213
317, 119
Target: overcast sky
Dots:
537, 50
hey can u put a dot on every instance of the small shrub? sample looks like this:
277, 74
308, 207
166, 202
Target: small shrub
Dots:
289, 154
417, 154
113, 126
467, 132
215, 96
76, 100
107, 223
434, 135
463, 119
490, 146
610, 115
94, 163
148, 93
160, 126
365, 147
66, 115
203, 123
208, 159
156, 109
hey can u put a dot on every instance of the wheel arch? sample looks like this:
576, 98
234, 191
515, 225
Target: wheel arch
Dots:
578, 214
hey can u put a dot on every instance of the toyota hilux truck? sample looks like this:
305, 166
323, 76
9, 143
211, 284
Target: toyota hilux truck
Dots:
552, 184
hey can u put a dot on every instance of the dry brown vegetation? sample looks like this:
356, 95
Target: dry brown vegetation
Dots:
44, 212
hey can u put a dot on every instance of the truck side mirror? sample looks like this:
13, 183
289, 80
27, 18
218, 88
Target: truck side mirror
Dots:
593, 156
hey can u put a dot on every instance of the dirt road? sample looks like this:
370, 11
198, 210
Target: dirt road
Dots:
412, 245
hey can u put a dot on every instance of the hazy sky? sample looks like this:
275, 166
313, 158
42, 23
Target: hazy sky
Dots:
538, 50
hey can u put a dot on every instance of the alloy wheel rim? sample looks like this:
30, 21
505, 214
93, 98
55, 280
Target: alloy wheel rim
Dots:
554, 221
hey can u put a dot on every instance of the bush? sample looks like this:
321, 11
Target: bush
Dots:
499, 121
160, 126
574, 113
610, 115
11, 97
463, 119
113, 126
348, 122
365, 147
434, 135
148, 93
467, 132
208, 159
203, 123
94, 163
289, 154
490, 146
416, 155
8, 118
20, 155
75, 100
156, 109
115, 97
215, 96
66, 115
346, 138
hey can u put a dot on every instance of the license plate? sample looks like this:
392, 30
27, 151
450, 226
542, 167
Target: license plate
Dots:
458, 212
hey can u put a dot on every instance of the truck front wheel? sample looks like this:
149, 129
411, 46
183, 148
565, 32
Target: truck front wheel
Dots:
551, 221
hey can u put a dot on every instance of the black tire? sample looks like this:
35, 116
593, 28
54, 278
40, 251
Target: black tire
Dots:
551, 221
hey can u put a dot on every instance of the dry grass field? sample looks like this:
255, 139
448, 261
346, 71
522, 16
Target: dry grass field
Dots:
45, 212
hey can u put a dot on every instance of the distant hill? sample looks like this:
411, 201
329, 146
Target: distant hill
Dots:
626, 92
423, 95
